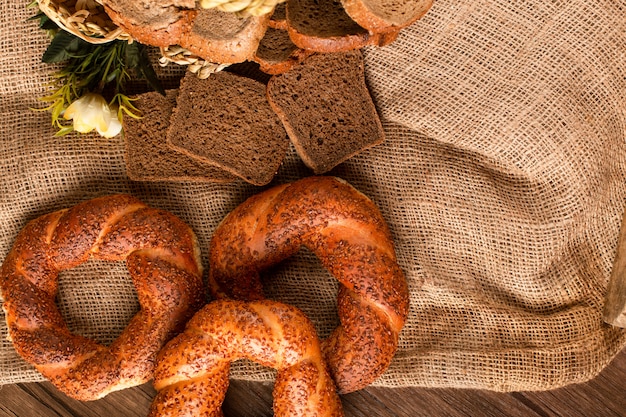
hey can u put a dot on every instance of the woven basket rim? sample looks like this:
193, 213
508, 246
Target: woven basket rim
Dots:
82, 22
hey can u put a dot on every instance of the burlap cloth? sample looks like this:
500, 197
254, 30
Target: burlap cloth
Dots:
502, 179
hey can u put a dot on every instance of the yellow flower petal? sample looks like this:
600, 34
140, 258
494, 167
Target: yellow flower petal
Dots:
91, 112
114, 128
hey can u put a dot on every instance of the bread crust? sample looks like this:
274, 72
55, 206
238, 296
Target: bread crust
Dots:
275, 68
369, 19
278, 19
278, 39
321, 44
160, 36
347, 232
337, 33
344, 43
216, 47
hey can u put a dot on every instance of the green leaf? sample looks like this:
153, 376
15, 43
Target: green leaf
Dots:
95, 68
64, 130
145, 69
133, 54
110, 77
64, 46
47, 24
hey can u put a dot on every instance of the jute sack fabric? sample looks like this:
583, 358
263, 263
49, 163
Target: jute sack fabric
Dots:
502, 178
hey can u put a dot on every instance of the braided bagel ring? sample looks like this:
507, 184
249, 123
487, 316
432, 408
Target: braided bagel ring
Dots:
191, 376
162, 257
347, 232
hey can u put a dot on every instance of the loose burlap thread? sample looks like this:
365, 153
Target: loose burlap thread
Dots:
502, 179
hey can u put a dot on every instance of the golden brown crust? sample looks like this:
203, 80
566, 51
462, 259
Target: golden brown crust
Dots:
386, 38
161, 37
348, 234
348, 42
275, 68
324, 26
278, 19
208, 39
163, 260
276, 53
375, 22
191, 376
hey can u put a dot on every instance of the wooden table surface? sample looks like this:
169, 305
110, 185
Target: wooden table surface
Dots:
603, 396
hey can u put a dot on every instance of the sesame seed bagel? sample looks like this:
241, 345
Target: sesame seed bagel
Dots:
191, 377
347, 232
163, 260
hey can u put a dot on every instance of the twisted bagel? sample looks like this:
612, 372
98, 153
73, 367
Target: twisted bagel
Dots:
191, 377
162, 257
347, 232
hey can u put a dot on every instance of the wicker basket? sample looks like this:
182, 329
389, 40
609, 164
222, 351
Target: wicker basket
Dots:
86, 19
195, 64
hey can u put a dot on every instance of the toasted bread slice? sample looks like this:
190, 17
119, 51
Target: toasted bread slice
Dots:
324, 26
152, 22
277, 53
386, 16
224, 37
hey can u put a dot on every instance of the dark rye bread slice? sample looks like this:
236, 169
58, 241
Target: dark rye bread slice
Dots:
386, 15
225, 120
278, 19
147, 155
324, 26
249, 69
326, 109
277, 53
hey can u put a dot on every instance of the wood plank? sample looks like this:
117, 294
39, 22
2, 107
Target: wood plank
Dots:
598, 397
248, 399
28, 399
602, 396
446, 402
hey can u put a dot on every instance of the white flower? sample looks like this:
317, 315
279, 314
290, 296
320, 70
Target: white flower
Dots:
90, 112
